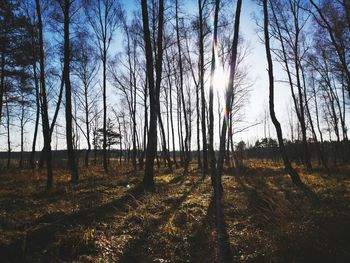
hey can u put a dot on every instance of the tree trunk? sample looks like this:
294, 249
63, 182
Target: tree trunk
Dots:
171, 108
8, 133
37, 100
293, 174
87, 123
186, 143
54, 119
148, 180
214, 182
201, 81
44, 105
2, 83
104, 144
66, 77
22, 132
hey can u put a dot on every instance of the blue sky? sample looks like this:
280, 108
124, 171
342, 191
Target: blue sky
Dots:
256, 61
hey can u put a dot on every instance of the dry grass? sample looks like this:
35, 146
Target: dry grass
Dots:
108, 218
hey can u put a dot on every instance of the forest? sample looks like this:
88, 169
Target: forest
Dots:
136, 131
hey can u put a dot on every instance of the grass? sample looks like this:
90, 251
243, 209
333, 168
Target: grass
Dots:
108, 218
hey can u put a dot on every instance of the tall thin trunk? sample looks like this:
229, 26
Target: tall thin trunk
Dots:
164, 145
145, 126
229, 95
171, 107
294, 175
318, 147
186, 142
104, 144
211, 101
318, 120
201, 81
299, 108
22, 132
44, 105
8, 133
87, 124
148, 180
306, 153
66, 77
37, 103
2, 83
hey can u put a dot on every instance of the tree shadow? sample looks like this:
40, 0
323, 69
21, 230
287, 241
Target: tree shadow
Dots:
39, 234
225, 254
136, 249
277, 207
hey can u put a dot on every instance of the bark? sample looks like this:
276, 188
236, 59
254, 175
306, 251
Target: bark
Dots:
154, 88
37, 101
2, 83
53, 122
44, 107
8, 133
318, 120
201, 81
211, 100
293, 174
87, 123
22, 132
104, 144
66, 76
186, 143
171, 107
164, 146
229, 95
145, 127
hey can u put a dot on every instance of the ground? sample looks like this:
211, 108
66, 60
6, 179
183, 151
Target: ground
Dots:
109, 218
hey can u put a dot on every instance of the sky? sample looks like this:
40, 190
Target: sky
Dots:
256, 106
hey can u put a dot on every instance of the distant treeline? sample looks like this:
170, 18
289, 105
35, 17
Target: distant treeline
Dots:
267, 148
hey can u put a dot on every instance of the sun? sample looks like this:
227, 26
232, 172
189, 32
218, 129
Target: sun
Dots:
220, 76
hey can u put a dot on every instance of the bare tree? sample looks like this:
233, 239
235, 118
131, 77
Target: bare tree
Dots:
294, 175
104, 17
44, 104
85, 67
153, 87
288, 27
66, 76
201, 4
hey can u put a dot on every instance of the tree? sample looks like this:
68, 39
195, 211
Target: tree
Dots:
104, 17
85, 68
113, 137
288, 26
153, 87
181, 84
228, 105
293, 174
44, 104
14, 46
66, 76
333, 21
201, 4
211, 100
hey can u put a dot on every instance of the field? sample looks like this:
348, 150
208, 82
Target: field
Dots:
109, 218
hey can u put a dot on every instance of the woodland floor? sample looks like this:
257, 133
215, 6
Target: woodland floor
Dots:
108, 218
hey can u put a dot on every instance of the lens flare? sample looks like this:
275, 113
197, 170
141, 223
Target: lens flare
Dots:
219, 79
